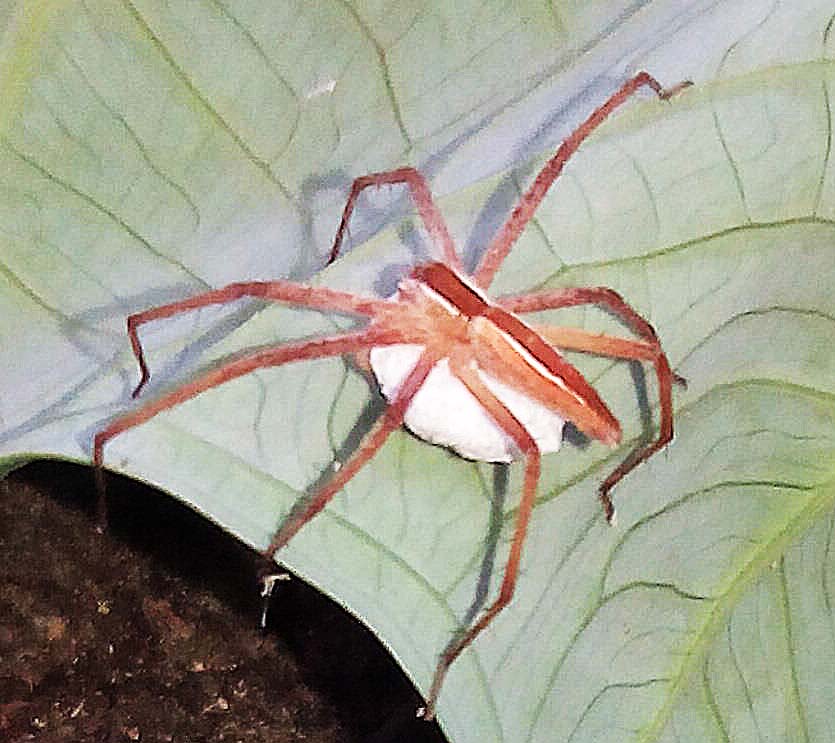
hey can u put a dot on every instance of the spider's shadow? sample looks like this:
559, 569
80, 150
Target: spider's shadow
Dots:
369, 219
501, 474
369, 415
372, 411
501, 478
639, 379
638, 373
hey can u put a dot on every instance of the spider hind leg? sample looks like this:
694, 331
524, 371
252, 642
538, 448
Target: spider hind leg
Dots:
530, 451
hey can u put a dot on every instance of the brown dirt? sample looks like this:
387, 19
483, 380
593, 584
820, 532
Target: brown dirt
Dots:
149, 631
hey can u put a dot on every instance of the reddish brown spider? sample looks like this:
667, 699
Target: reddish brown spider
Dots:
439, 339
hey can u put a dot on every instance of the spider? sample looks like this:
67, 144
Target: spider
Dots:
440, 345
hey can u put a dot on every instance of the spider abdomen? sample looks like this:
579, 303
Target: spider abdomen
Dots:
444, 412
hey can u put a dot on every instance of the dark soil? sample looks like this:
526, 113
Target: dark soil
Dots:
149, 632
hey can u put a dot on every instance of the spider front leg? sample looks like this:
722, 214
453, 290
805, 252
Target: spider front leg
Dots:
314, 297
390, 420
530, 451
649, 349
602, 296
573, 339
421, 195
504, 240
300, 351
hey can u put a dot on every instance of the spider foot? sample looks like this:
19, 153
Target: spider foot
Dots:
139, 387
608, 506
426, 713
268, 581
680, 381
668, 93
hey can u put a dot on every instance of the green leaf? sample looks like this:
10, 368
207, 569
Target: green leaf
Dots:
151, 150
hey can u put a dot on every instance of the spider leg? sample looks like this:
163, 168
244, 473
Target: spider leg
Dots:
555, 299
298, 351
421, 195
391, 419
315, 297
574, 339
504, 240
527, 446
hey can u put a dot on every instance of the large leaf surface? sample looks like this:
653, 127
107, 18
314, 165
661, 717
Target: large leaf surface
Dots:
151, 150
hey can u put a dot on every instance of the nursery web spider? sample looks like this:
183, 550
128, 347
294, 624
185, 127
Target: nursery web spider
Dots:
440, 344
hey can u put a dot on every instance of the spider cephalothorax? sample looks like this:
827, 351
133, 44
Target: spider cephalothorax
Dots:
457, 368
471, 335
